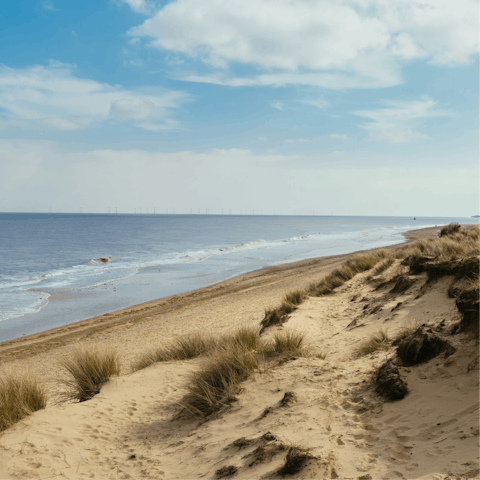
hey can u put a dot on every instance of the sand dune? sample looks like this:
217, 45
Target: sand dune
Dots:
132, 430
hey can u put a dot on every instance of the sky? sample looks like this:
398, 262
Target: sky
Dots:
344, 107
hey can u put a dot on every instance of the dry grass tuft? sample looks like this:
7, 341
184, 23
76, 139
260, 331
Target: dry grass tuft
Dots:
382, 266
402, 284
326, 286
273, 316
378, 341
242, 442
455, 253
288, 399
244, 337
357, 264
289, 343
455, 246
189, 346
449, 229
20, 396
264, 453
218, 381
88, 369
196, 345
295, 460
276, 316
226, 471
295, 298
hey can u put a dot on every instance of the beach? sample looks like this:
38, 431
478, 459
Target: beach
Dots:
59, 269
129, 430
223, 306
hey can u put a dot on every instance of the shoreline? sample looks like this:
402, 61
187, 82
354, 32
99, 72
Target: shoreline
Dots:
70, 302
155, 320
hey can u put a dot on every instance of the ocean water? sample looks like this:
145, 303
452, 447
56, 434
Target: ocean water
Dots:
51, 272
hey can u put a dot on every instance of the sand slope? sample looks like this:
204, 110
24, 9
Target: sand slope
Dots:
130, 429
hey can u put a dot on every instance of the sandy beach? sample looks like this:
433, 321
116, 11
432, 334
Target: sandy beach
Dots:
130, 429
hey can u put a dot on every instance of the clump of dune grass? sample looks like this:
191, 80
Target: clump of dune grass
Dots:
295, 298
196, 345
243, 337
382, 266
357, 264
449, 229
242, 442
264, 453
276, 316
288, 342
217, 382
378, 341
456, 254
455, 246
88, 368
20, 396
226, 471
183, 348
295, 460
273, 316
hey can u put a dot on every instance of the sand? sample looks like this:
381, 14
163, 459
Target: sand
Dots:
130, 430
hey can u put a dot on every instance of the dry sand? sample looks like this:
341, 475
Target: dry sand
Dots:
129, 430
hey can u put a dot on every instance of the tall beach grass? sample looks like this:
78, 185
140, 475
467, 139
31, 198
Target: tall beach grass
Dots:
20, 396
87, 370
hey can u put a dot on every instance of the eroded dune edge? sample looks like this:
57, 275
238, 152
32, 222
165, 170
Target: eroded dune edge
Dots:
368, 369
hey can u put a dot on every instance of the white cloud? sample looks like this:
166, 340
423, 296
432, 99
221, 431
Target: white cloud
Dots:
333, 136
52, 97
319, 103
36, 175
338, 136
325, 80
132, 109
398, 136
393, 123
136, 62
48, 5
139, 6
294, 140
277, 105
329, 43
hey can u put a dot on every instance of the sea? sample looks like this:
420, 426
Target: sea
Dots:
59, 268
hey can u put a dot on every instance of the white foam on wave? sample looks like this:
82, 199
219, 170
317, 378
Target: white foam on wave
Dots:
17, 303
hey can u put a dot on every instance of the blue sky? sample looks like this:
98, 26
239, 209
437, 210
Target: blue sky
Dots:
363, 107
